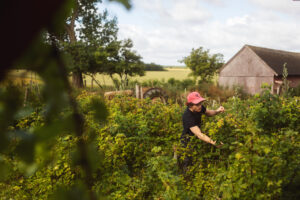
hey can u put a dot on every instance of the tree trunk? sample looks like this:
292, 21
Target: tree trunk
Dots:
126, 80
77, 80
97, 82
122, 82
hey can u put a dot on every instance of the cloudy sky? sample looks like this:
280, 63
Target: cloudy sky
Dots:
165, 31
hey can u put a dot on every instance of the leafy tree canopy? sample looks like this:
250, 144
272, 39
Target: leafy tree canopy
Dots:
154, 67
84, 30
203, 64
119, 58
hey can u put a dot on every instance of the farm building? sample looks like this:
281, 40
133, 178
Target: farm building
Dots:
252, 66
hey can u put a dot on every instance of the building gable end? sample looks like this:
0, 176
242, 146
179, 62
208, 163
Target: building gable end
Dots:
262, 61
246, 63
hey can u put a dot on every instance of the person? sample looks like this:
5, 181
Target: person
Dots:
191, 120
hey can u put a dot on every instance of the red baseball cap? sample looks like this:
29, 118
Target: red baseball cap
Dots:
195, 98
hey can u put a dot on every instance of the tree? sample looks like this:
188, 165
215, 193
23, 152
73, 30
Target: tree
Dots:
203, 64
154, 67
84, 30
119, 58
130, 65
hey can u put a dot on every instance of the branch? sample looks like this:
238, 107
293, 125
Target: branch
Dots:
97, 82
74, 15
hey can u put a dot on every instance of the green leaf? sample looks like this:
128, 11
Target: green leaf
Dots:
25, 148
125, 3
49, 131
97, 106
5, 169
76, 192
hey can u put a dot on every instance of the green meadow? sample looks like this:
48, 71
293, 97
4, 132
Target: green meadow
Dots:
178, 73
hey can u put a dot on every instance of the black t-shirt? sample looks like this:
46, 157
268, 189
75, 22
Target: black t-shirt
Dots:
190, 119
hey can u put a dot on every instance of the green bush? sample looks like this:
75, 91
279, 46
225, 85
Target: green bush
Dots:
295, 91
133, 153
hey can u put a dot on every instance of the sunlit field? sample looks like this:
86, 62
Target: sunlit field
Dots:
20, 76
23, 77
177, 73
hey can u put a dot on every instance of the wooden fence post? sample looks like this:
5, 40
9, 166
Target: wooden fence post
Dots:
137, 95
138, 91
141, 91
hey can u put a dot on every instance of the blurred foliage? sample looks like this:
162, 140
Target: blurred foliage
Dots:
295, 91
28, 138
126, 3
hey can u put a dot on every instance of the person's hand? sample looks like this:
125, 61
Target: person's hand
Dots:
213, 143
219, 145
221, 109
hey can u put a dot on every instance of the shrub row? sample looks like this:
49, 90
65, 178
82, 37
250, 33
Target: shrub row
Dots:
134, 153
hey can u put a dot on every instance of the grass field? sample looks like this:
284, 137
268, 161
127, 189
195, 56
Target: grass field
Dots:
23, 76
177, 73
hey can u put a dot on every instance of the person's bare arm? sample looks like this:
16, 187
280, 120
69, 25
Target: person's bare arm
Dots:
196, 130
210, 113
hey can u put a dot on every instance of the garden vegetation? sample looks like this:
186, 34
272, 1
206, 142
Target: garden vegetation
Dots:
133, 148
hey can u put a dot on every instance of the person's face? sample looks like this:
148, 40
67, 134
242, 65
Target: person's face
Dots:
197, 107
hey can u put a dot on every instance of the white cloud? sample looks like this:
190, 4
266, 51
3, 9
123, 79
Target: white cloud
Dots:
154, 5
174, 11
189, 11
178, 26
239, 21
168, 45
284, 6
216, 2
